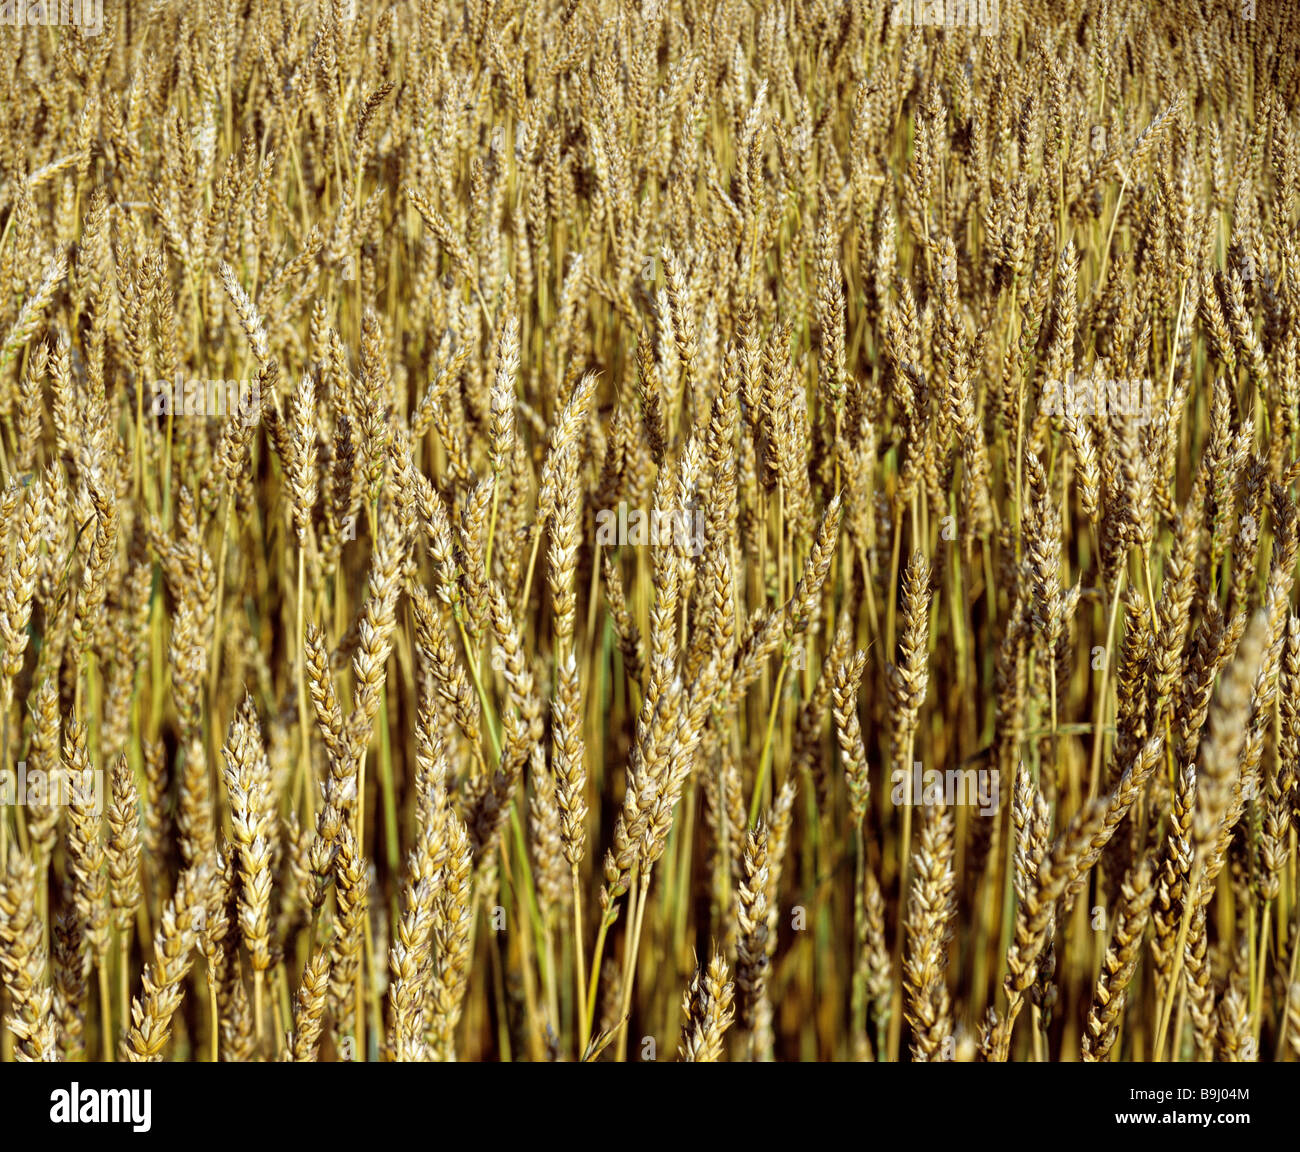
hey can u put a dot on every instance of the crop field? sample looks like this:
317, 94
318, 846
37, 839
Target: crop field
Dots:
649, 530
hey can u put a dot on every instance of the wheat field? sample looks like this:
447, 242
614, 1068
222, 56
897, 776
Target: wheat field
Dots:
600, 530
